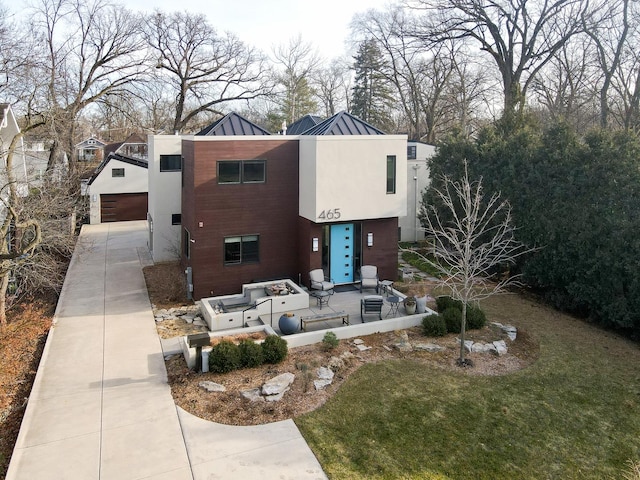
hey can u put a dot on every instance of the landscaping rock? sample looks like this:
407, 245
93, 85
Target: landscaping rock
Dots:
278, 385
501, 347
480, 347
428, 347
363, 348
253, 395
212, 386
325, 373
468, 345
358, 341
336, 363
320, 384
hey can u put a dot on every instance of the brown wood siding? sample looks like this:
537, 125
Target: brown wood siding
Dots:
269, 210
384, 253
123, 207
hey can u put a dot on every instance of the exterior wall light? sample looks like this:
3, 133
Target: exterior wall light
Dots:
314, 244
369, 239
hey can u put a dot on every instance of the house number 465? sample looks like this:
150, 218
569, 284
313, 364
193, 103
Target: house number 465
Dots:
331, 214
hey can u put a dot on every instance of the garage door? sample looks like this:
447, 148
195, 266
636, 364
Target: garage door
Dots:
123, 207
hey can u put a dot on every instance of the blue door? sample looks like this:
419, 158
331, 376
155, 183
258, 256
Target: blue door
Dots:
341, 255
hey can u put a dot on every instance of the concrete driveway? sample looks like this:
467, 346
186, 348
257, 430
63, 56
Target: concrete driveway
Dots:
101, 407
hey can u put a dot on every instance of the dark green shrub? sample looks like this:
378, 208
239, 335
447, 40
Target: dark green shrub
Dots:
434, 326
251, 354
275, 349
475, 318
444, 302
330, 341
453, 319
224, 357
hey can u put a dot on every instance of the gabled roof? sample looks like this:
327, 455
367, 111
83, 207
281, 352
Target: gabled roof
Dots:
232, 124
303, 124
4, 110
343, 123
114, 156
97, 142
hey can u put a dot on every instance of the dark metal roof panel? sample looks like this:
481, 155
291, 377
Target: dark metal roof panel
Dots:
343, 123
232, 124
303, 124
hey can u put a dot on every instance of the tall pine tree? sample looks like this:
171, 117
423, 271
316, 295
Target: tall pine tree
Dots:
372, 100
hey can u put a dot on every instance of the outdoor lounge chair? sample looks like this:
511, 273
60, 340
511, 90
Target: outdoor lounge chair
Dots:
318, 281
369, 277
371, 304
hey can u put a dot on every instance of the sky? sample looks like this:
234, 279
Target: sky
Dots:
267, 23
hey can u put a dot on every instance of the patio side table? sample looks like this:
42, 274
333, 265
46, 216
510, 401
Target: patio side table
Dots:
394, 303
387, 286
322, 297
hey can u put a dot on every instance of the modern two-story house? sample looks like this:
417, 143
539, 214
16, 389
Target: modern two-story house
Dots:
256, 206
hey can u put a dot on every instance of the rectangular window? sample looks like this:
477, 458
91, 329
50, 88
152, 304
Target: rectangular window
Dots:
117, 172
411, 152
176, 218
186, 243
391, 174
243, 249
170, 163
241, 171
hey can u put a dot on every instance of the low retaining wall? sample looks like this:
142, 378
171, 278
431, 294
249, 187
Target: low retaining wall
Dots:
357, 330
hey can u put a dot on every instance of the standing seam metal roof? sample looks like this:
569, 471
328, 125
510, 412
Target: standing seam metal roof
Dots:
232, 124
343, 123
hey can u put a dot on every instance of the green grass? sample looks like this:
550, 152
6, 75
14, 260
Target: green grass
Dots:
573, 414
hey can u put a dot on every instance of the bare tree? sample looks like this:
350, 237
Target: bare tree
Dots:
473, 236
297, 62
204, 69
521, 36
332, 85
93, 50
609, 34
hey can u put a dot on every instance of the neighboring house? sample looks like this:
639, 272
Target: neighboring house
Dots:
90, 150
37, 153
302, 124
257, 206
8, 130
133, 147
118, 190
418, 179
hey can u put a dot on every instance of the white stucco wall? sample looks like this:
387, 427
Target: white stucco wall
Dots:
349, 173
135, 180
418, 179
164, 199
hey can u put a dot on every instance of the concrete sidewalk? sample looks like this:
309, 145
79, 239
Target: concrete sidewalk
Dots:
101, 407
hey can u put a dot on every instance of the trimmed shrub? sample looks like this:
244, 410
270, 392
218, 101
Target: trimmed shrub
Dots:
275, 349
434, 326
224, 357
251, 354
475, 318
444, 302
452, 319
330, 341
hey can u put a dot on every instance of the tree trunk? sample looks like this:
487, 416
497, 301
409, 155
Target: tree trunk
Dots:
463, 327
4, 283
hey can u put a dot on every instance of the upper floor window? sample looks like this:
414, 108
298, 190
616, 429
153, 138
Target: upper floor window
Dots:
411, 152
242, 171
391, 174
244, 249
170, 163
117, 172
176, 218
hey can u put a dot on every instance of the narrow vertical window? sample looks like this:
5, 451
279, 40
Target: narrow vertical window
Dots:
391, 174
186, 243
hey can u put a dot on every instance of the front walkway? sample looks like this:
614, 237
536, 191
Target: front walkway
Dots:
101, 407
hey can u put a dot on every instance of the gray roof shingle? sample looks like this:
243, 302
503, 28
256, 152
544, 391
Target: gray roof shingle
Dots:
343, 123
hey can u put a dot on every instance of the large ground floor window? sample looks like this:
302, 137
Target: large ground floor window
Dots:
242, 249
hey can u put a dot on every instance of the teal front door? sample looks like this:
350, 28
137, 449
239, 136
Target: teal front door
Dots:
341, 254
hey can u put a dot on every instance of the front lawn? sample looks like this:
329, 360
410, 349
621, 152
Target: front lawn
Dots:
574, 413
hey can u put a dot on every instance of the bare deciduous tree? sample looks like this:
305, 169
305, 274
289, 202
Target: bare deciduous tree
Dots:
204, 69
521, 36
332, 85
473, 236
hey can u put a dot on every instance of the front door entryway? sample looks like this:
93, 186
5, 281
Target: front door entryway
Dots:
342, 253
